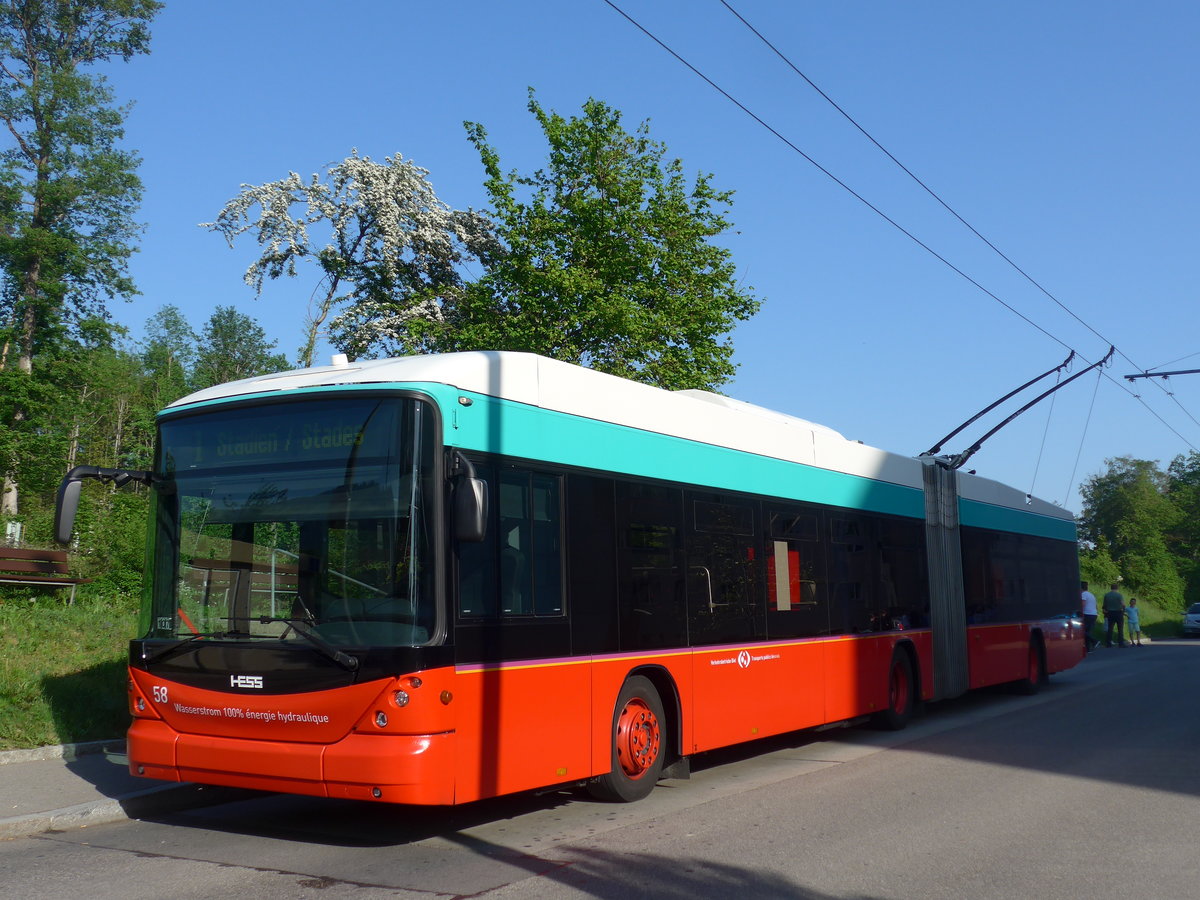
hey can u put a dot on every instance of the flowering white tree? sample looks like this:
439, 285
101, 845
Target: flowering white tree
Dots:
392, 257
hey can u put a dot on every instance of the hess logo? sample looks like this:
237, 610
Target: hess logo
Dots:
246, 681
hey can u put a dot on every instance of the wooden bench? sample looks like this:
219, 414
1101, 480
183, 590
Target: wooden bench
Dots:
47, 568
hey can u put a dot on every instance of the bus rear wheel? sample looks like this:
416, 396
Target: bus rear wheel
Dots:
901, 694
1035, 670
637, 744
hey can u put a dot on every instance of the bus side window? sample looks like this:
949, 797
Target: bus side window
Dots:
516, 542
517, 570
851, 573
477, 595
547, 546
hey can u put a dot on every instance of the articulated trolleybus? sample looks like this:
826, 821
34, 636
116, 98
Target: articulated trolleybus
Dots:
435, 579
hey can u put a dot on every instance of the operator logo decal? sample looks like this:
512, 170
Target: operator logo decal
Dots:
743, 659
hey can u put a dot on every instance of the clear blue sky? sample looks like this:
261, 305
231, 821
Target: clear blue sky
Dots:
1065, 132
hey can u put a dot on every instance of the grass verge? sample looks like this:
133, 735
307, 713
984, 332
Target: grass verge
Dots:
62, 671
1158, 623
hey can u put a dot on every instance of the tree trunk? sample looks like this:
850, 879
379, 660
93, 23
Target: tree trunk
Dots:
28, 327
119, 429
8, 496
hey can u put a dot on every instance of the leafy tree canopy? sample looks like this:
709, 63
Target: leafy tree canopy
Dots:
605, 257
1128, 512
608, 258
234, 346
388, 250
67, 189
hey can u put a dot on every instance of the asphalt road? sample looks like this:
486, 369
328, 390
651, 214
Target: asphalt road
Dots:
1086, 790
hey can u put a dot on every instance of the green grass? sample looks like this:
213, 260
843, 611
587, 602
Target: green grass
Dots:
1156, 622
1160, 624
62, 670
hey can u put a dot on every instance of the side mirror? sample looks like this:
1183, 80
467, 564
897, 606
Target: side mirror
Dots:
470, 509
67, 503
65, 508
470, 501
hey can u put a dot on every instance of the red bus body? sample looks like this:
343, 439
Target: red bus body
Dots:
473, 721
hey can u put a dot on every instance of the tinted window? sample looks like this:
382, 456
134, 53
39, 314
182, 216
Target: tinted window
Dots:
797, 592
1015, 577
517, 570
724, 588
650, 566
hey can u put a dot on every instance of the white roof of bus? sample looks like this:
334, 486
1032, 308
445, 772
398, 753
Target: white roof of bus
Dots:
693, 415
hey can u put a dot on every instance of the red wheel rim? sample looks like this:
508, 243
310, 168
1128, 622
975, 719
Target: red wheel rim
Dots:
638, 738
899, 689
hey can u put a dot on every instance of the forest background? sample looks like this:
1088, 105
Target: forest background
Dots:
608, 256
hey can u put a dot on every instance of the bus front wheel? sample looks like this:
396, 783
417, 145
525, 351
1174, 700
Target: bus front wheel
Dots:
637, 744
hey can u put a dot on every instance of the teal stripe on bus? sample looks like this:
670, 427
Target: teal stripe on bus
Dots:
516, 429
1002, 518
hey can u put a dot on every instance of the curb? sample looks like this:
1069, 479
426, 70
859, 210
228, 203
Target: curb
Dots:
61, 751
149, 802
155, 800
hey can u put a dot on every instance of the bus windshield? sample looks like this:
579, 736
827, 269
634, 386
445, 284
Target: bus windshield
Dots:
283, 521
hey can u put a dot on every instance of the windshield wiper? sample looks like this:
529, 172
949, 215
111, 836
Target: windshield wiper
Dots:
170, 649
304, 628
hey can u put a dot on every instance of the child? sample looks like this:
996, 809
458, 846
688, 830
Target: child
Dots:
1135, 628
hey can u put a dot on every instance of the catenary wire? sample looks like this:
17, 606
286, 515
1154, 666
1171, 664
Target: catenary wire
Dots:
932, 193
1082, 440
1045, 433
1173, 361
636, 24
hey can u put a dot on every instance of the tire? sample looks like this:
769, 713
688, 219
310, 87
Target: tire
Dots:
1035, 670
637, 744
901, 694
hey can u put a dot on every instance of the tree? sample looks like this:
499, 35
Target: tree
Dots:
234, 346
1184, 538
167, 357
608, 258
67, 190
1127, 509
169, 354
1097, 568
392, 256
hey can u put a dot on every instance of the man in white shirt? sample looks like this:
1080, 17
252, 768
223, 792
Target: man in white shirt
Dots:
1089, 616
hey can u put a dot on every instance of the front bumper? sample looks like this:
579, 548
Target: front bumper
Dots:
415, 769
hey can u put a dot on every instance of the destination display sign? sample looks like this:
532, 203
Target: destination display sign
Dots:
319, 432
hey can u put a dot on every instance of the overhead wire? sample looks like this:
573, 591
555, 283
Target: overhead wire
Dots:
1045, 434
932, 193
912, 237
826, 172
1172, 362
1082, 439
